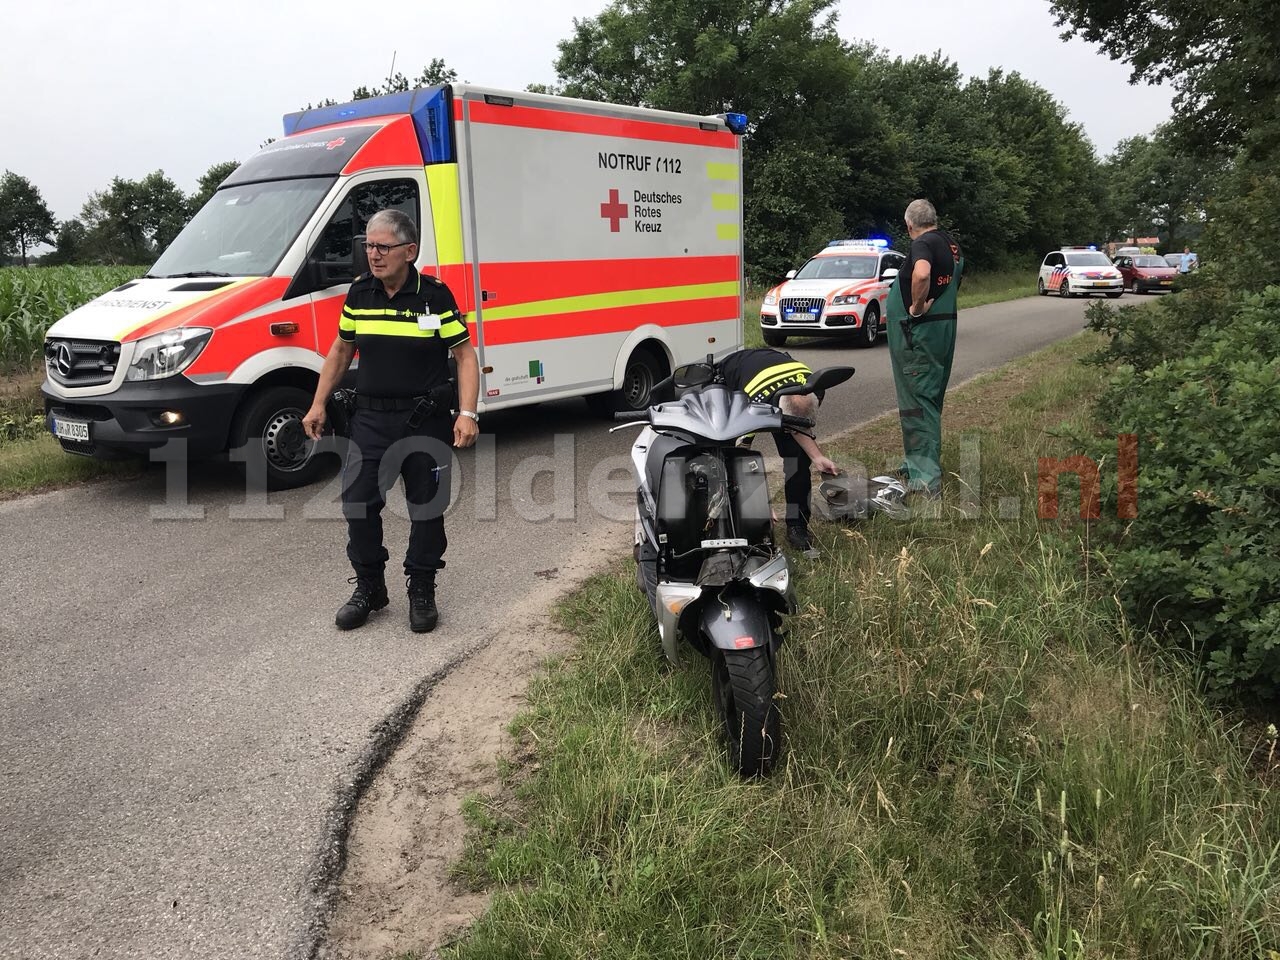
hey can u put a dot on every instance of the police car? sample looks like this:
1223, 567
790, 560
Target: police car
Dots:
1079, 271
840, 292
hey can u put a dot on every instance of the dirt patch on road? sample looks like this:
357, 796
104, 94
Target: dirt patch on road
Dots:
395, 897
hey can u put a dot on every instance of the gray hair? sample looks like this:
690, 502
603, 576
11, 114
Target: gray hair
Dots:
920, 213
398, 222
799, 405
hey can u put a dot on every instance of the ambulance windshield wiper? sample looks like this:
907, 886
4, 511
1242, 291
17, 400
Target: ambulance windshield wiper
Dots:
195, 273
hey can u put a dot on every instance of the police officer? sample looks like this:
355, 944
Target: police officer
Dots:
761, 373
921, 316
405, 324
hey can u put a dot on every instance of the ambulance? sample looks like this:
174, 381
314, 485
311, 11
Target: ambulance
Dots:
839, 292
593, 248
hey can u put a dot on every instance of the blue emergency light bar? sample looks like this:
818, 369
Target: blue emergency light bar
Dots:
736, 122
429, 107
873, 242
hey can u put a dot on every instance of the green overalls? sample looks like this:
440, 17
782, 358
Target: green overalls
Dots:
921, 351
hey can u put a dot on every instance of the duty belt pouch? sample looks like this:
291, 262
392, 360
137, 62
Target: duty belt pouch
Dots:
343, 403
425, 407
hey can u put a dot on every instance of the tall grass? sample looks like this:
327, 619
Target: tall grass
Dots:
983, 759
33, 299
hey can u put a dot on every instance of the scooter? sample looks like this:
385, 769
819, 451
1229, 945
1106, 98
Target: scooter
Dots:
705, 550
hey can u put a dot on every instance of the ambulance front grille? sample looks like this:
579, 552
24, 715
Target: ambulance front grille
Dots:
81, 363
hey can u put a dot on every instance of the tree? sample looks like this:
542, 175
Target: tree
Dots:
69, 244
132, 221
778, 61
433, 73
1221, 57
208, 184
1160, 188
25, 219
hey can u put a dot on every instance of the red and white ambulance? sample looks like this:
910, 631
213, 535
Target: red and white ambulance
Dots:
593, 247
839, 292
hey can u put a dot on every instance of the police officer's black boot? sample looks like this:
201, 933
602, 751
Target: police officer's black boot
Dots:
423, 615
370, 594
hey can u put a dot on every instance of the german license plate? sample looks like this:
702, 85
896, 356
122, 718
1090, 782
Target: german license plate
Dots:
65, 429
1166, 283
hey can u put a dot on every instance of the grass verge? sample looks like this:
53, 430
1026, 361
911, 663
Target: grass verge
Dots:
982, 759
30, 459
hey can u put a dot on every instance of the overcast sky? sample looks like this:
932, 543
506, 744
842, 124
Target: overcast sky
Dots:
95, 90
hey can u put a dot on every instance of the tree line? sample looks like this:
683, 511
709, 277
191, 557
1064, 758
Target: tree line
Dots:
842, 136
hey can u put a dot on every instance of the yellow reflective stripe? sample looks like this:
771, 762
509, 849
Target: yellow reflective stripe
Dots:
724, 201
722, 171
153, 316
391, 328
726, 231
346, 323
446, 211
453, 328
446, 315
766, 378
375, 312
620, 298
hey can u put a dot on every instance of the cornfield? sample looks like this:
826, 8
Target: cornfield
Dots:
31, 300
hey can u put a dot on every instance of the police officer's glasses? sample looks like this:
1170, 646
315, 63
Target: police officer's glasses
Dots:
384, 248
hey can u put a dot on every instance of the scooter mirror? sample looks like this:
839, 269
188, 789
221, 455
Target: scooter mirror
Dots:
823, 379
693, 375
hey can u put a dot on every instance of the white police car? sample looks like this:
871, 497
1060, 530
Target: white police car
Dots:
1079, 271
839, 292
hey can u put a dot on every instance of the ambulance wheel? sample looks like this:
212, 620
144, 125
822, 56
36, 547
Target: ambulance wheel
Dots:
642, 373
268, 442
774, 339
869, 332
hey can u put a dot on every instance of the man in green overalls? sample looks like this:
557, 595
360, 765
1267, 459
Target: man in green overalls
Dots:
921, 316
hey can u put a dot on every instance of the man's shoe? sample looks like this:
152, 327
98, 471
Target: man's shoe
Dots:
370, 594
423, 615
798, 536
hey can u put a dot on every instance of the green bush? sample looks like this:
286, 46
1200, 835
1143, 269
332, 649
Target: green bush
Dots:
1202, 559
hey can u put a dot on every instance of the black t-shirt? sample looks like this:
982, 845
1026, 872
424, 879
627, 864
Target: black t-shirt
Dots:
942, 253
762, 372
397, 357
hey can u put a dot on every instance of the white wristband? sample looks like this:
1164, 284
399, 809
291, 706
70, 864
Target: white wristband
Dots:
470, 415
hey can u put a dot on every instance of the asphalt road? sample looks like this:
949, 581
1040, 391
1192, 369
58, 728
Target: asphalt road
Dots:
183, 732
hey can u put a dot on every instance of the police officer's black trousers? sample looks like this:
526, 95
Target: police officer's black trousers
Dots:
383, 447
798, 484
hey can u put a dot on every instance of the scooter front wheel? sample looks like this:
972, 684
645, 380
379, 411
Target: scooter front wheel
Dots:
744, 685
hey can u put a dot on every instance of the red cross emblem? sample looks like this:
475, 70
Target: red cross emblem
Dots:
614, 211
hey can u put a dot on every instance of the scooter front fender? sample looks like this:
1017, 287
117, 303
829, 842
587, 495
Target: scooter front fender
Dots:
737, 622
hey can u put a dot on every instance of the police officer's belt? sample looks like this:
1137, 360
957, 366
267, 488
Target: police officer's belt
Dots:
388, 403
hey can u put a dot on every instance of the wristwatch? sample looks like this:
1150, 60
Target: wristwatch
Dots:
470, 415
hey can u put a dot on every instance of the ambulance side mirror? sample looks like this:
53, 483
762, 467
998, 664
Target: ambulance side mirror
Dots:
889, 274
791, 274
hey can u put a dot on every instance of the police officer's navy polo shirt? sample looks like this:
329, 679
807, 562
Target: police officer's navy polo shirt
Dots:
398, 357
761, 372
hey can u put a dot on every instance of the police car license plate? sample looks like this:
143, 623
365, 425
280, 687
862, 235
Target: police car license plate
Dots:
71, 429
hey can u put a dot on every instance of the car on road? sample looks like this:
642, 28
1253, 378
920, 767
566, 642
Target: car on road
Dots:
1146, 274
839, 292
1078, 271
1174, 260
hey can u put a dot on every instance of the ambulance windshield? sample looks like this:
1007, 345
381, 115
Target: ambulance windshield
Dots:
244, 230
839, 268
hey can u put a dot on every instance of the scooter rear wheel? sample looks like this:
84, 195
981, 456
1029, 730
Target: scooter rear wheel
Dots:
744, 685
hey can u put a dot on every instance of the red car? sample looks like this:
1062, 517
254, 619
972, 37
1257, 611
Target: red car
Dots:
1145, 273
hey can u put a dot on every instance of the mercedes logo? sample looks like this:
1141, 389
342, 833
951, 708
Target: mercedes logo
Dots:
63, 360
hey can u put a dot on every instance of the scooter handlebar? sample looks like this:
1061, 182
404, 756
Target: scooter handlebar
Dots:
804, 423
631, 416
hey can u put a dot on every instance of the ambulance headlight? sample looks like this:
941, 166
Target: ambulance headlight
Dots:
771, 298
845, 298
166, 354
